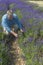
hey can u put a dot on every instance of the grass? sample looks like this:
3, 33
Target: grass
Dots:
32, 52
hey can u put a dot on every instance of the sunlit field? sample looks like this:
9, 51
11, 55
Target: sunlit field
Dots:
31, 16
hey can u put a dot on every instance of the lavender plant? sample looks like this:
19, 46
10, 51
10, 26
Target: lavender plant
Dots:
32, 18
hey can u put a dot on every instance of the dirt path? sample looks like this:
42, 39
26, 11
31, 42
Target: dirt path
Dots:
19, 54
15, 54
40, 3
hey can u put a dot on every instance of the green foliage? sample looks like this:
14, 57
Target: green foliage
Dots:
41, 32
18, 12
5, 58
31, 51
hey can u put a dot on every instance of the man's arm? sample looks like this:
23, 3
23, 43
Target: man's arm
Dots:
12, 32
19, 24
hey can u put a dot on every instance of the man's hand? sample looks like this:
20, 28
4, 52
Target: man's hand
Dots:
15, 34
21, 30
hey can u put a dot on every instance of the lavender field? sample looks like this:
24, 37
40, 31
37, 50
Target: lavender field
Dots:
31, 16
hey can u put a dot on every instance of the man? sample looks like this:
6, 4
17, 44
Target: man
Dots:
9, 20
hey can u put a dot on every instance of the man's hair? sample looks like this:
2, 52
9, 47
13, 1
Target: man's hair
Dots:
9, 12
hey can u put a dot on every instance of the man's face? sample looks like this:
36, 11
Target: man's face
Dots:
10, 17
10, 14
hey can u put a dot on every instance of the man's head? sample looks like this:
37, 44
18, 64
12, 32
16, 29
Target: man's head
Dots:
10, 14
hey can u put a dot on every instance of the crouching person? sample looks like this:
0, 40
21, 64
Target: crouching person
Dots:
9, 20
